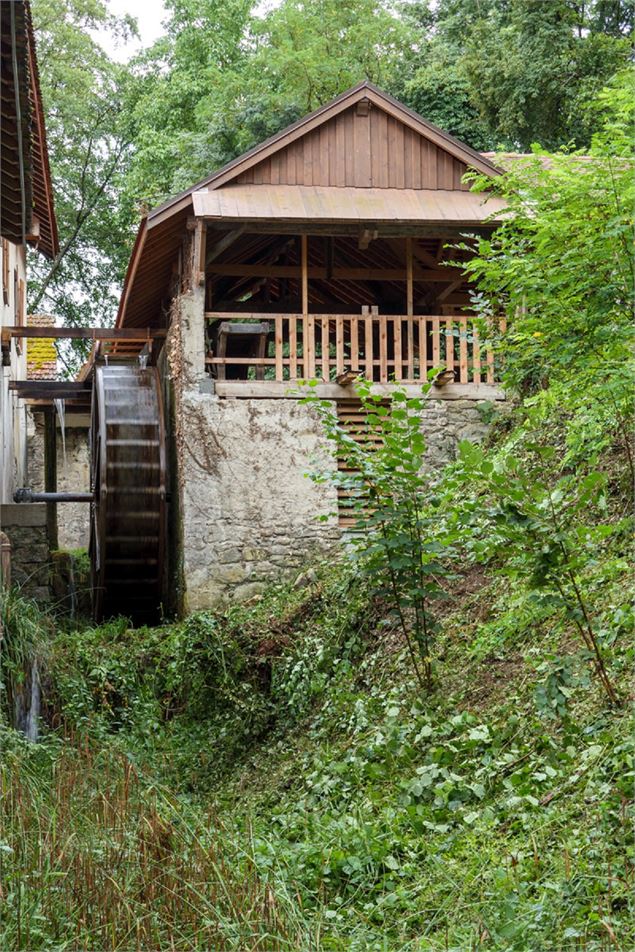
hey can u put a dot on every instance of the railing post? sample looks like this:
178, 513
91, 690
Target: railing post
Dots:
463, 350
326, 371
368, 344
449, 345
423, 349
339, 344
476, 355
278, 347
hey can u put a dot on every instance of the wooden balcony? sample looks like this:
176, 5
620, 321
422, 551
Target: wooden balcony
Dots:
384, 348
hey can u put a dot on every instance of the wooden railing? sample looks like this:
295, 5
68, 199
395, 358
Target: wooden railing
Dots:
384, 348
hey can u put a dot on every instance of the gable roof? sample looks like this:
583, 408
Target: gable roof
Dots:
160, 233
286, 137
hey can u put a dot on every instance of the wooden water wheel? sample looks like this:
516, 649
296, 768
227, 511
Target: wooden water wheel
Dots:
128, 480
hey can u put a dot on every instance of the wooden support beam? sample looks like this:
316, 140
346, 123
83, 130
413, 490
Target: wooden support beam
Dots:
51, 389
337, 274
85, 333
410, 308
216, 250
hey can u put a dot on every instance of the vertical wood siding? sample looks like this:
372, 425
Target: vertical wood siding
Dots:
366, 151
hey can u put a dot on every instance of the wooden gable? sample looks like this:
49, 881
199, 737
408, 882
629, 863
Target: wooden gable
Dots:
362, 147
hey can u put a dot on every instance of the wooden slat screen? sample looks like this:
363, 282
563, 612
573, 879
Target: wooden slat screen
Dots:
353, 419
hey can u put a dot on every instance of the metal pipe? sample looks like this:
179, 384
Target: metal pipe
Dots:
27, 495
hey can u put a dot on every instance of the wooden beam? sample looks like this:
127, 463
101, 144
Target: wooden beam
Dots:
85, 333
223, 244
50, 389
268, 389
410, 309
337, 274
305, 273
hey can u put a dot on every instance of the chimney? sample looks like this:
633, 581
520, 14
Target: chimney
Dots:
41, 355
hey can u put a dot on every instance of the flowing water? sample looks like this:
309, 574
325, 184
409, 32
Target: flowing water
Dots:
60, 409
27, 702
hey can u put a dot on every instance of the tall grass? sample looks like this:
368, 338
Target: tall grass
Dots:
93, 857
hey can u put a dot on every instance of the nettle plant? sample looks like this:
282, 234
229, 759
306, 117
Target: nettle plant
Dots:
540, 529
396, 536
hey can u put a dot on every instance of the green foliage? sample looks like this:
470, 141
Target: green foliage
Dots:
396, 532
25, 637
82, 91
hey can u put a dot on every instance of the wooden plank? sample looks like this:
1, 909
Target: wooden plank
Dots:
268, 389
368, 347
265, 270
436, 341
410, 308
84, 333
200, 245
304, 253
449, 345
278, 347
52, 387
463, 372
383, 349
223, 244
476, 355
489, 376
309, 346
423, 349
397, 345
326, 370
339, 344
354, 326
293, 347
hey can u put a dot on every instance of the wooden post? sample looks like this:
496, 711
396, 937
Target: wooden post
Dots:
476, 355
354, 344
50, 475
308, 323
463, 350
423, 349
201, 236
305, 273
449, 345
436, 342
278, 347
410, 309
368, 344
326, 370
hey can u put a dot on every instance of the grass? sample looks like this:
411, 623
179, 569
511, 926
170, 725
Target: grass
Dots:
94, 857
272, 778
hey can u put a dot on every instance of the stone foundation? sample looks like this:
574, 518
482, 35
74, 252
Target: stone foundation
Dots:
25, 526
249, 512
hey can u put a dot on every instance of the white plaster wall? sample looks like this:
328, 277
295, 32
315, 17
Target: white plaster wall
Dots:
12, 410
249, 512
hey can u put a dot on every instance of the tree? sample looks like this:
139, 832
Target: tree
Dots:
82, 93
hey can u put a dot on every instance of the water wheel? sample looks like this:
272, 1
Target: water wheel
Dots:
128, 479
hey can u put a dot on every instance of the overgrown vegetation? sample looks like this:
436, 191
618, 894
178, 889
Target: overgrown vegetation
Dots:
273, 776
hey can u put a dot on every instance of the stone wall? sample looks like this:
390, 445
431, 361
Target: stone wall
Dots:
245, 509
25, 526
445, 422
248, 510
73, 475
